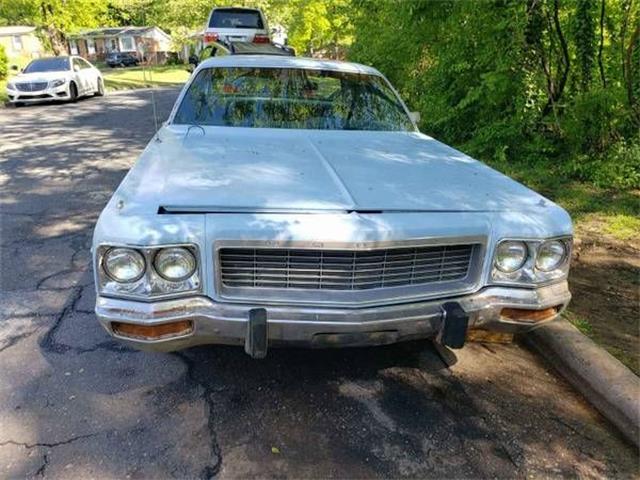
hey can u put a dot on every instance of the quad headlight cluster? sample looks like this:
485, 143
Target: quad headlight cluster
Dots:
148, 272
531, 261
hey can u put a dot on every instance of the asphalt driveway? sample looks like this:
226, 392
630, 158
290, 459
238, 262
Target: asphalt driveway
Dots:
76, 404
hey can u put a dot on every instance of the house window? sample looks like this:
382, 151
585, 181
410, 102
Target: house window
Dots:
17, 43
91, 46
73, 47
127, 44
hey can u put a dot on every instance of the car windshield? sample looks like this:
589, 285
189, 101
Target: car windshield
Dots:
60, 64
291, 98
236, 18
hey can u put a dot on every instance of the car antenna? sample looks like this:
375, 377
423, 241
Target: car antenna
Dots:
141, 49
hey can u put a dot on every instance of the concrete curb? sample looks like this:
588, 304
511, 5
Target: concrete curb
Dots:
611, 387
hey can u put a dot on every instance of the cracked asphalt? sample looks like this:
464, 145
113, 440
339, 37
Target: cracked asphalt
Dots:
76, 404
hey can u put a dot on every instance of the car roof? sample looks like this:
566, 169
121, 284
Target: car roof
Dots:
52, 57
277, 61
250, 9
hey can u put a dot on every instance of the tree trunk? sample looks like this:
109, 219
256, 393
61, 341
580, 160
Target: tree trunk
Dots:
600, 65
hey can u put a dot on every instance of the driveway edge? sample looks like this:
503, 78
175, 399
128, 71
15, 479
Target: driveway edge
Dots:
607, 384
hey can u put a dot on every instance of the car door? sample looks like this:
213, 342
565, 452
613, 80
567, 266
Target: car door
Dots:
79, 76
91, 74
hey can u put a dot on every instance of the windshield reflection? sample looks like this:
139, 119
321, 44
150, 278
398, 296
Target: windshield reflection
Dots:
291, 98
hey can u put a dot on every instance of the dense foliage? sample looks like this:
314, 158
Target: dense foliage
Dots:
543, 82
550, 85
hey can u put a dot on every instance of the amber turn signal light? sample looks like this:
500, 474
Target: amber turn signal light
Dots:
526, 315
153, 332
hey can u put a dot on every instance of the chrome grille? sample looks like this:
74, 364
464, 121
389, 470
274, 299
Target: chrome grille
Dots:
31, 86
343, 269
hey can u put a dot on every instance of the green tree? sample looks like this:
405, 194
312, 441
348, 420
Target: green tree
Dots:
4, 63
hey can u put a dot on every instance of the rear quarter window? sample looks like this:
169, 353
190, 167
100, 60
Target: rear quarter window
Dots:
236, 18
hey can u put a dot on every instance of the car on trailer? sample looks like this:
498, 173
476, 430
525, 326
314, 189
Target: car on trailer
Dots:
223, 48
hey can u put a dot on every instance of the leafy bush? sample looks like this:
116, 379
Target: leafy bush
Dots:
515, 84
4, 63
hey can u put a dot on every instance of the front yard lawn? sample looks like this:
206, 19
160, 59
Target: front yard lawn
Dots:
141, 77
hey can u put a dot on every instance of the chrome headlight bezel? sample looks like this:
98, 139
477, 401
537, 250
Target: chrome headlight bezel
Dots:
520, 262
175, 251
529, 274
151, 285
58, 82
123, 250
11, 86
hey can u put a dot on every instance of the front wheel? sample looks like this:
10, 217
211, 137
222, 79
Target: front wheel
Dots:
100, 91
73, 92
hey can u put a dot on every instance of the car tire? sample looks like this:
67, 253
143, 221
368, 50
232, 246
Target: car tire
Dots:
100, 91
18, 104
73, 92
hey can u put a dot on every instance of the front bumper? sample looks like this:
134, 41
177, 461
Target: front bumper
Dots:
227, 323
48, 94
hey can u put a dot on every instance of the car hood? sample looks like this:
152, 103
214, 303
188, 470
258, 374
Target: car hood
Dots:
39, 76
225, 169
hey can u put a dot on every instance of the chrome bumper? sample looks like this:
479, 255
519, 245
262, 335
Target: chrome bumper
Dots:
227, 323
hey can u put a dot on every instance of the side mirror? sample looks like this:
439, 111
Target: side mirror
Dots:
415, 117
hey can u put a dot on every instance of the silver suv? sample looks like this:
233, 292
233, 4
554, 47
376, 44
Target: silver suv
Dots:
236, 24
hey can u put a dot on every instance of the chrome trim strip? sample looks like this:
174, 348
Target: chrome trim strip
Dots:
148, 252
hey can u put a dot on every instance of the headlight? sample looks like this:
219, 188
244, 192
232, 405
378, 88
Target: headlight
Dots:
11, 86
124, 265
175, 264
57, 83
551, 255
510, 256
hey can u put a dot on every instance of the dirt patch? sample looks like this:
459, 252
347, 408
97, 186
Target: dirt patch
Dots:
605, 283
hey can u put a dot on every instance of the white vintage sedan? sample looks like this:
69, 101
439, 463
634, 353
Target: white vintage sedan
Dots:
293, 201
55, 78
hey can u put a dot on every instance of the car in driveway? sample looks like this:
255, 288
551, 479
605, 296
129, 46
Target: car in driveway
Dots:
236, 24
293, 201
55, 78
121, 59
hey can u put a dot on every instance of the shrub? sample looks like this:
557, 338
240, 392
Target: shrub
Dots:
4, 62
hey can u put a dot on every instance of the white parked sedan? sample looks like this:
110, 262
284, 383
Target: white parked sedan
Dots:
55, 78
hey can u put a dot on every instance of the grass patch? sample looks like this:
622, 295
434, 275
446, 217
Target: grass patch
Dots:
137, 77
580, 323
624, 227
3, 91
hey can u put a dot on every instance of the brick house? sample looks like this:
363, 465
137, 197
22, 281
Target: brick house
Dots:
20, 42
149, 44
